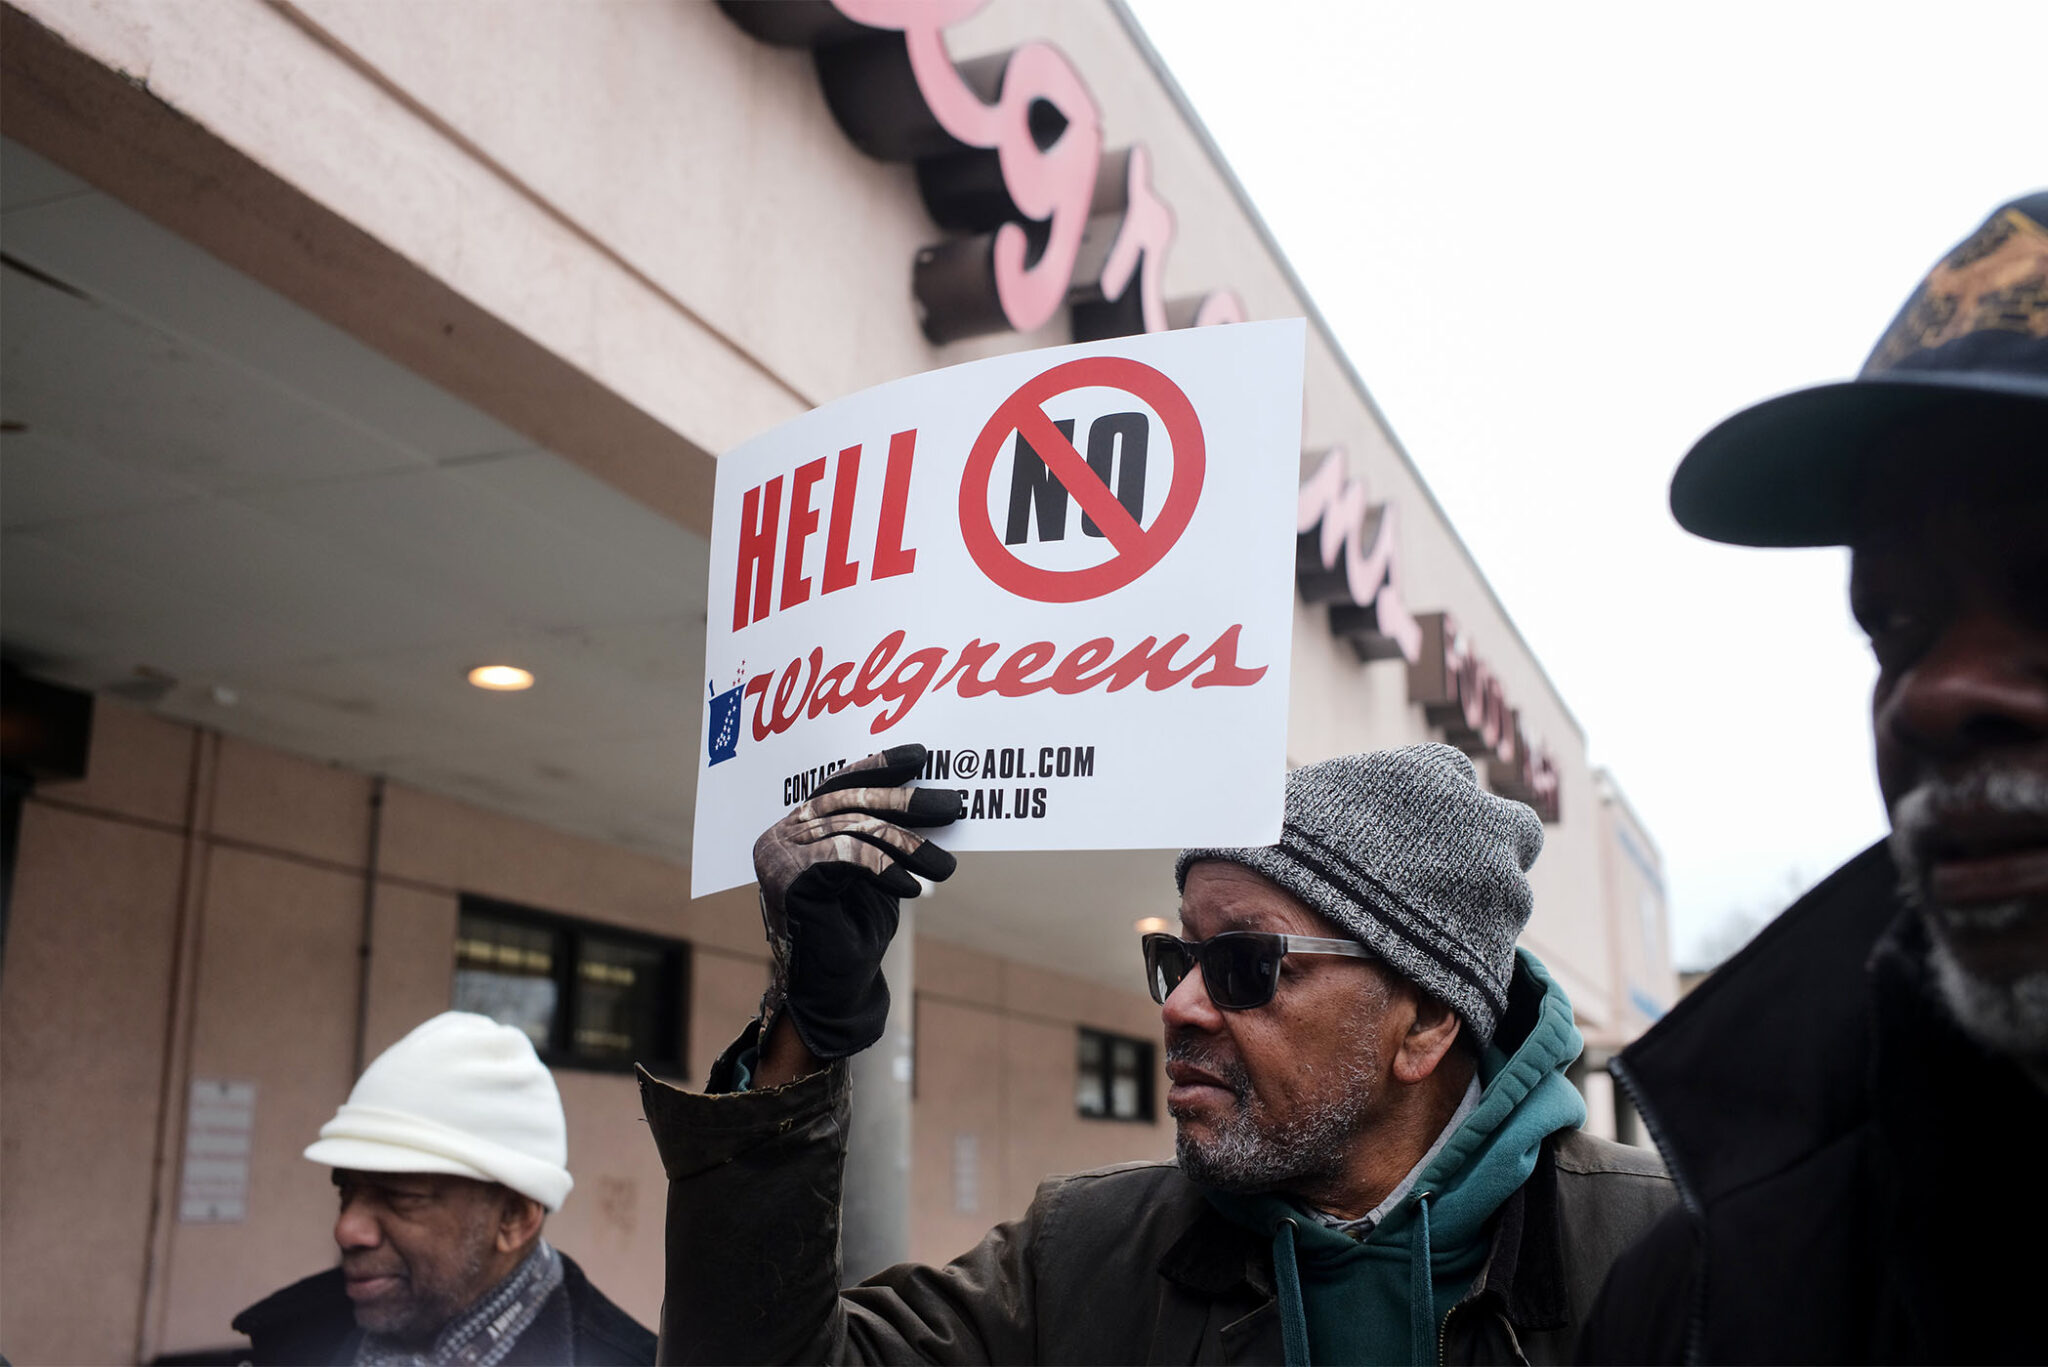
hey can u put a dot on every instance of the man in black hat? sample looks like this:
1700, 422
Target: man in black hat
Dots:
1855, 1107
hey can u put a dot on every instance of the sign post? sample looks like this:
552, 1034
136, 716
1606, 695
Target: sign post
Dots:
1068, 573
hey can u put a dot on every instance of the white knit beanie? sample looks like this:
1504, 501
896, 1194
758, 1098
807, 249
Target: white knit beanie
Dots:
463, 1095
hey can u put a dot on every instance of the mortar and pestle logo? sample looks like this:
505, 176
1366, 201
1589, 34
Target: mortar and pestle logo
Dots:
722, 733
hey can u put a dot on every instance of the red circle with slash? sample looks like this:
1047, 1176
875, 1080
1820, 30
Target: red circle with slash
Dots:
1138, 548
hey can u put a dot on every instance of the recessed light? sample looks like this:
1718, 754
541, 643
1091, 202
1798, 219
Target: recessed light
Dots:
1152, 925
501, 678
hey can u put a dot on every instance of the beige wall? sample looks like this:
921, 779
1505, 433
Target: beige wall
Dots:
82, 1011
996, 1063
113, 1000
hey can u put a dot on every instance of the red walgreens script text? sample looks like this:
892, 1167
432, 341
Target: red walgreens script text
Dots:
807, 689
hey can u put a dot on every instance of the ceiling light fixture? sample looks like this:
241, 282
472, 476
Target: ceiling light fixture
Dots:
1152, 925
501, 678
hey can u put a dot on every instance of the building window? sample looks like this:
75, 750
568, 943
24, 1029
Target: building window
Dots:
1113, 1076
1650, 910
588, 995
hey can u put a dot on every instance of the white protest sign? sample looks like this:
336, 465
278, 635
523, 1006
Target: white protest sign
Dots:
1068, 573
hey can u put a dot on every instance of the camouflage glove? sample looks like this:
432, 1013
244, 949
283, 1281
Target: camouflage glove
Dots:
831, 873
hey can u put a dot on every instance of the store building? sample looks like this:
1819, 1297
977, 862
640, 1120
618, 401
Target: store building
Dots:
347, 348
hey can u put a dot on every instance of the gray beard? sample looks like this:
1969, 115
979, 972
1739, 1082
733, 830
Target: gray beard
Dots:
1249, 1151
2006, 1018
2009, 1017
418, 1321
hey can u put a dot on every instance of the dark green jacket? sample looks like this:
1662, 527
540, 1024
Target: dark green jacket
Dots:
1382, 1297
1123, 1265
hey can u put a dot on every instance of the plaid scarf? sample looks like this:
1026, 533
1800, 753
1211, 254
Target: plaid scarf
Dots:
482, 1335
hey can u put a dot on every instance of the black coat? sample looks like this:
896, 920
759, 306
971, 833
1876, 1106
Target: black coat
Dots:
312, 1322
1123, 1265
1860, 1181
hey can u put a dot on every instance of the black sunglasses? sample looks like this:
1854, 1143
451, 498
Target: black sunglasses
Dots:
1240, 968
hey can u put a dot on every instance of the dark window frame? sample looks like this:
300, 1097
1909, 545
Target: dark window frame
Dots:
1145, 1076
672, 1006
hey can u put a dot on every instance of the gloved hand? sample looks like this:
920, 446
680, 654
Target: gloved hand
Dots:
831, 873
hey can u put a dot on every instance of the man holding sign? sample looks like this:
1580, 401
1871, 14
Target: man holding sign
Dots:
1379, 1155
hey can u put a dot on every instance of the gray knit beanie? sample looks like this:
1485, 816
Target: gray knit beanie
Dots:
1406, 852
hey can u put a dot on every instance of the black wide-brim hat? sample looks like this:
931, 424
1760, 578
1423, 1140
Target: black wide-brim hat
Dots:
1973, 340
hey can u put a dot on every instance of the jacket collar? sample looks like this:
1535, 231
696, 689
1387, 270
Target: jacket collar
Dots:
1938, 1101
312, 1321
1524, 1269
1216, 1256
1768, 1060
309, 1321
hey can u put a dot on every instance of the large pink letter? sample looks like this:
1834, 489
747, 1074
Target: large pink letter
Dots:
1334, 516
1052, 185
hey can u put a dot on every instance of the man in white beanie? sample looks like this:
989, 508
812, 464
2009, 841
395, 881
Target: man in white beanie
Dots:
448, 1156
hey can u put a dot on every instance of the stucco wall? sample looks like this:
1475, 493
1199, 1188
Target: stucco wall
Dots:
82, 1008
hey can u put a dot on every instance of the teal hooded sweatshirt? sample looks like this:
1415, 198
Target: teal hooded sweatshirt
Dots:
1383, 1298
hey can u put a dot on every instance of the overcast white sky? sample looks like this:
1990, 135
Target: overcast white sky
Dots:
1560, 242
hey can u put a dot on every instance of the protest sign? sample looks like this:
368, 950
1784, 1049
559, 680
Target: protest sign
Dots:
1067, 573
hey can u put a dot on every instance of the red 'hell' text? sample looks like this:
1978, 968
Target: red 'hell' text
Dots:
764, 528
